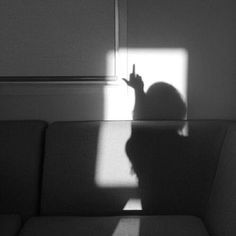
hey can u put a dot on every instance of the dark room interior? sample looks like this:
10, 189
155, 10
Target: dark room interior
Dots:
117, 118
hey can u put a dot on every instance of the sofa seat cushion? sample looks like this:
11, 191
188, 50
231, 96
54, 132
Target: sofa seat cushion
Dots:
115, 226
9, 225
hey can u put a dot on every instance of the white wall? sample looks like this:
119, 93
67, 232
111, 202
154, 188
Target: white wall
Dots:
206, 29
51, 38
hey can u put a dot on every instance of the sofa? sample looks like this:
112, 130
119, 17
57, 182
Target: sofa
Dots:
76, 178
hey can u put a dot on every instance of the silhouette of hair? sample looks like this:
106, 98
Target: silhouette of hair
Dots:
161, 102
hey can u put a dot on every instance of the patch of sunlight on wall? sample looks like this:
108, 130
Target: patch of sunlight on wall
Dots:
113, 168
118, 102
118, 98
168, 65
127, 226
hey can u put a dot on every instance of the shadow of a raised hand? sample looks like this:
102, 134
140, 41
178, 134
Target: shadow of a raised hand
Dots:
135, 81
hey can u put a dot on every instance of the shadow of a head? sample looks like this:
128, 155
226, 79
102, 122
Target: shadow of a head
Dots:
163, 102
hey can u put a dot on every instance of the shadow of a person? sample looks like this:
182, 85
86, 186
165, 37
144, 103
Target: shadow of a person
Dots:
155, 150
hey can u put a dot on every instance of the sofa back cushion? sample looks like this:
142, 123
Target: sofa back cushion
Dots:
89, 166
176, 172
21, 149
71, 183
221, 210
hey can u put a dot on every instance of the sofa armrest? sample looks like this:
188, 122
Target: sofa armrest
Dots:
221, 209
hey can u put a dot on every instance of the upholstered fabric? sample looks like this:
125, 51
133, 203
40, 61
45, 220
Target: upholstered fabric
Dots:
69, 177
175, 172
9, 225
221, 211
21, 149
115, 226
